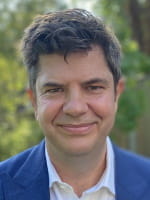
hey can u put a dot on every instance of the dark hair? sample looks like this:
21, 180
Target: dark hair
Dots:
68, 31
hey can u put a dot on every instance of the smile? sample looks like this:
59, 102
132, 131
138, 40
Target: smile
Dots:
78, 129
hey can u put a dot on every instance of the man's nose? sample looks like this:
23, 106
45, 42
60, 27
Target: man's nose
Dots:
75, 104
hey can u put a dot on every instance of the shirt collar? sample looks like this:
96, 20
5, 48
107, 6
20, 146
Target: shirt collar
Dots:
107, 180
53, 175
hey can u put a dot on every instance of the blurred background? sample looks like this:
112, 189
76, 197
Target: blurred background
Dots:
131, 22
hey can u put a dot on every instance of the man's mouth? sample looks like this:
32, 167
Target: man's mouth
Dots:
78, 129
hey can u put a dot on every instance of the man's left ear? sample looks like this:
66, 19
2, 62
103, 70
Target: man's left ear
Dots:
120, 87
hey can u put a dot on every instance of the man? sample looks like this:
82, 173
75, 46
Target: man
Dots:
73, 62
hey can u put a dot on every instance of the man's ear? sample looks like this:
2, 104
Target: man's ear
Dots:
120, 87
32, 97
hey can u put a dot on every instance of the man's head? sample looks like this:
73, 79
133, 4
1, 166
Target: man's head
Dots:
74, 72
66, 32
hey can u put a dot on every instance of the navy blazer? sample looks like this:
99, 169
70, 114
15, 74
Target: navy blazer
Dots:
25, 176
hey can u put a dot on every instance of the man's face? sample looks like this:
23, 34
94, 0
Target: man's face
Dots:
75, 101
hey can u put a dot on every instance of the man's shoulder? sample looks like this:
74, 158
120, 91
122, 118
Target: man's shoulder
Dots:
132, 175
12, 164
132, 161
132, 156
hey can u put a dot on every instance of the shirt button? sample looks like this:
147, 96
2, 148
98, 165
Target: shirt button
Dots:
62, 187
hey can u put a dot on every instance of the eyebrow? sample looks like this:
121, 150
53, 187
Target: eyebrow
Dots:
96, 80
52, 84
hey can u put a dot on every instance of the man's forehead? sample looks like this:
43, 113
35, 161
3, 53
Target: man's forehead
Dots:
66, 56
86, 66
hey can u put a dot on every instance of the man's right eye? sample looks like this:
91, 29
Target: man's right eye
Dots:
54, 90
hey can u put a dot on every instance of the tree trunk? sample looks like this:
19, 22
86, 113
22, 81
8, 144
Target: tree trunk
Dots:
139, 14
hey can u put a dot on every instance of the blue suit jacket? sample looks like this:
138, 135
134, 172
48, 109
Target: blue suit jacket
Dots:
25, 176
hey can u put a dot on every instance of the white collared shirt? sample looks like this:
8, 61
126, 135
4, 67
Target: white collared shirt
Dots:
104, 189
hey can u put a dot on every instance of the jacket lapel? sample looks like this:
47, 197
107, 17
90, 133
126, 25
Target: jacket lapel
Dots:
31, 180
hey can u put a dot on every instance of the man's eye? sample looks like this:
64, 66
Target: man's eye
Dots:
54, 90
95, 88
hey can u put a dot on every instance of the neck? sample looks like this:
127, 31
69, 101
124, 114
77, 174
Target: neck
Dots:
81, 172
